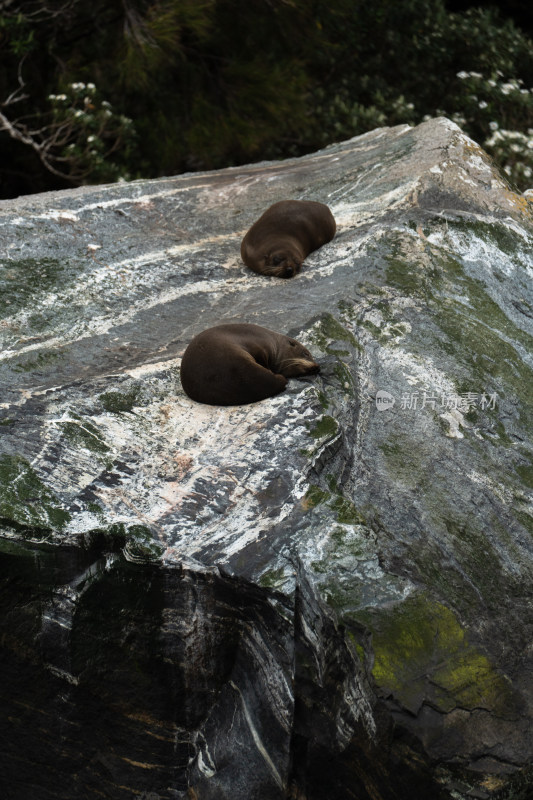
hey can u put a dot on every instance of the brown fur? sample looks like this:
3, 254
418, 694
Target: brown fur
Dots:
236, 363
285, 234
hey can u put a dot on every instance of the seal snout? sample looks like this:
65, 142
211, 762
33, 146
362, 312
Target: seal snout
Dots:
295, 367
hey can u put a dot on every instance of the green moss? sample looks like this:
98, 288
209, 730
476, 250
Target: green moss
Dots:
479, 571
490, 313
493, 233
336, 597
323, 400
405, 272
525, 519
119, 402
525, 471
501, 433
326, 427
25, 279
371, 328
327, 330
314, 496
398, 451
25, 500
490, 359
44, 359
421, 650
344, 375
94, 508
359, 649
385, 309
477, 333
331, 481
83, 434
345, 511
141, 544
338, 535
272, 579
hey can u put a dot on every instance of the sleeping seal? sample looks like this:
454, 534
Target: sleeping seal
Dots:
285, 234
236, 363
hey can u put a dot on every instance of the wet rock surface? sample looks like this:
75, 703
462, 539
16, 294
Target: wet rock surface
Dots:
323, 595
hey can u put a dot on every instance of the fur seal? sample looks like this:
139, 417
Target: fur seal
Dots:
285, 234
238, 363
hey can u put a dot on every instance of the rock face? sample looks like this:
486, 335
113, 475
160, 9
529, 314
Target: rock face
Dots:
323, 595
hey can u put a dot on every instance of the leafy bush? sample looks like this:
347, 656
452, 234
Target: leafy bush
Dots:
195, 85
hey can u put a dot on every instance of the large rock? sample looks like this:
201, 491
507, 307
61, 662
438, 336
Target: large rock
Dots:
323, 595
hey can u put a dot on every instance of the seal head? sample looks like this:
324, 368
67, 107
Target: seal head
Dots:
278, 243
240, 363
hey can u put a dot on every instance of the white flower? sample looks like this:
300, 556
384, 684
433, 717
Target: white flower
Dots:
482, 104
493, 126
91, 87
462, 74
52, 97
528, 172
506, 88
91, 138
494, 139
476, 75
507, 169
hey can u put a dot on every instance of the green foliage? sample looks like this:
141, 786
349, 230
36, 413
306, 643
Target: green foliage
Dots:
90, 132
194, 84
500, 114
17, 33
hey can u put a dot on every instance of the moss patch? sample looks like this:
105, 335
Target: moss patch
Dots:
272, 579
25, 500
494, 234
84, 434
24, 279
525, 471
421, 650
141, 544
42, 360
119, 402
327, 330
325, 427
345, 511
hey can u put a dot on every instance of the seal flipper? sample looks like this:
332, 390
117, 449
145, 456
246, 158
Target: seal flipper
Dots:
256, 383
